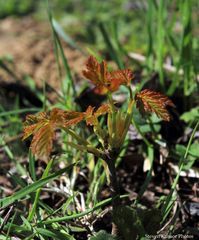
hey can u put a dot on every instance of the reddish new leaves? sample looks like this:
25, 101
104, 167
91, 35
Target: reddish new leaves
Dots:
97, 74
43, 125
122, 76
91, 116
151, 101
104, 80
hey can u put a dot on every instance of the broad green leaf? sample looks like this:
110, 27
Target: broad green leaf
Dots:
193, 154
194, 149
191, 115
151, 219
128, 222
102, 235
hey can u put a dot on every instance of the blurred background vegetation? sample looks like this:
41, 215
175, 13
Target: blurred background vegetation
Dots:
135, 20
163, 31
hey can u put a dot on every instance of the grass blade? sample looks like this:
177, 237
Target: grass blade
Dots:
160, 41
149, 174
169, 200
67, 84
32, 188
81, 214
45, 174
114, 55
150, 20
59, 30
32, 166
54, 234
186, 50
18, 111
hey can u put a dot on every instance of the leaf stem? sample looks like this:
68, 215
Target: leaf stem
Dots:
130, 93
76, 136
87, 148
140, 132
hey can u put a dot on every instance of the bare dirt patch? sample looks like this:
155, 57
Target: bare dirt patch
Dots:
30, 45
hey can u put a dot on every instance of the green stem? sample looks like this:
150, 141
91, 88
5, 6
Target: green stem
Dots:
140, 132
76, 136
88, 148
130, 93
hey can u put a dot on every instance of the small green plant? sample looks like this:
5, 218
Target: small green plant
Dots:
111, 136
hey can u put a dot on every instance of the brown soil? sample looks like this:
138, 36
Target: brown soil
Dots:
30, 44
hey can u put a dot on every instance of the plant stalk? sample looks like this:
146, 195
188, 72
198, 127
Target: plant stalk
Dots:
114, 187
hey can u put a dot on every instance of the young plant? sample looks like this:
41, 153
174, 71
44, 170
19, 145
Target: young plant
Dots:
111, 137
